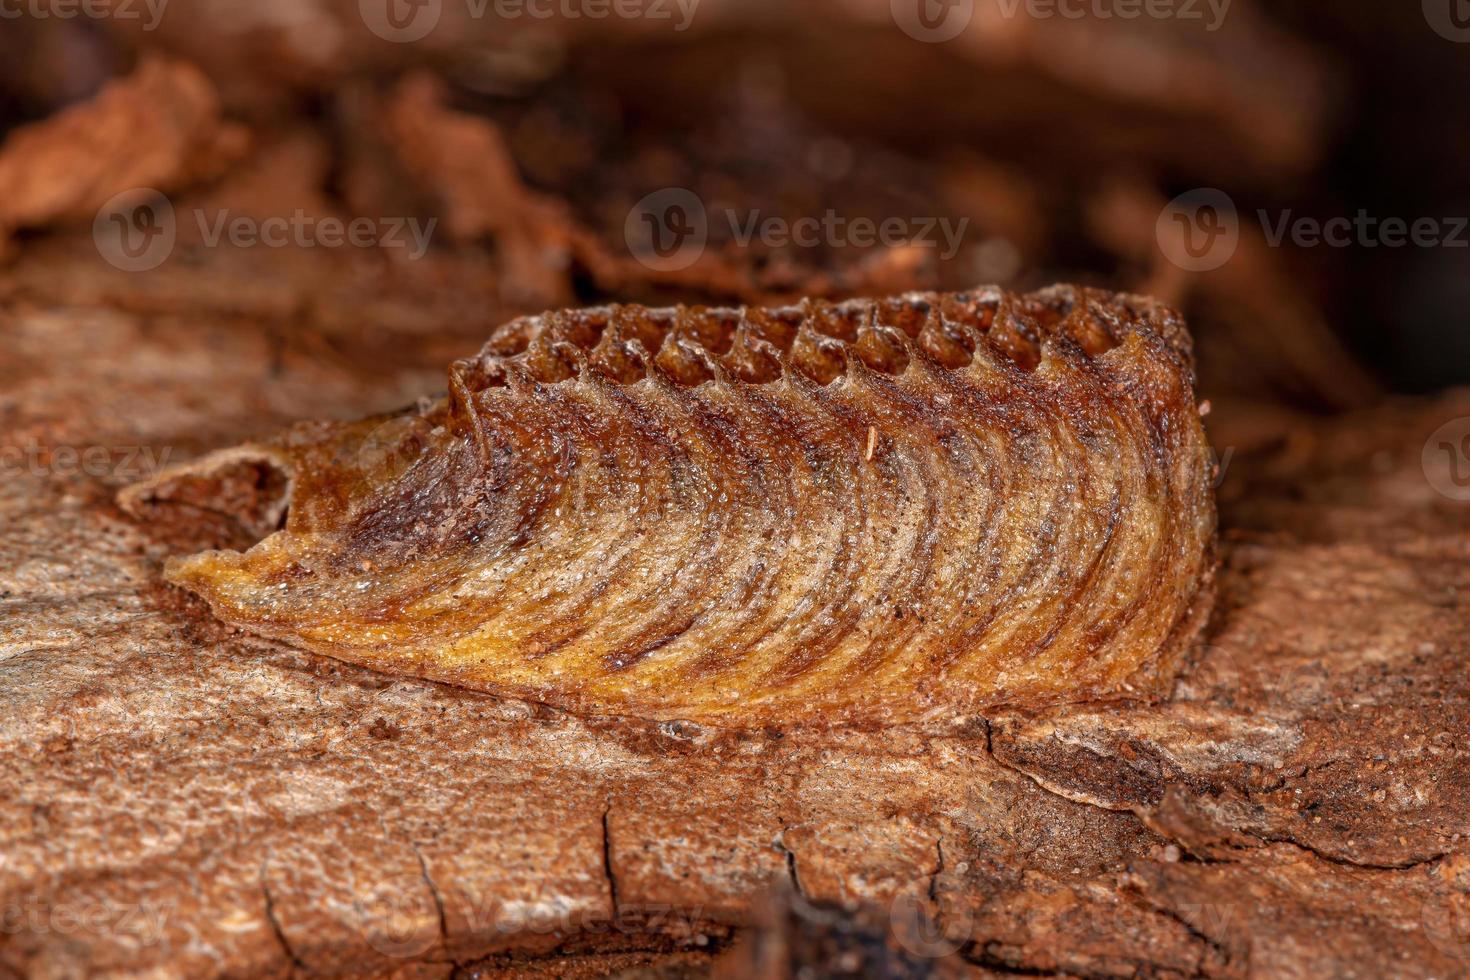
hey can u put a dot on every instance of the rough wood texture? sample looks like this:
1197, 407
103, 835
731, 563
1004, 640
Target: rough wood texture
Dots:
177, 799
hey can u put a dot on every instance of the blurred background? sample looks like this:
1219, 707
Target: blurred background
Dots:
1247, 163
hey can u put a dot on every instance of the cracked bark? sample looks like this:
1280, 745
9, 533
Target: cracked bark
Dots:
1347, 862
297, 964
434, 891
607, 864
938, 869
1145, 814
790, 858
1207, 940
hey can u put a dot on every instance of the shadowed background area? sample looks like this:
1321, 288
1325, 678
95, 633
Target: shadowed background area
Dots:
1058, 128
